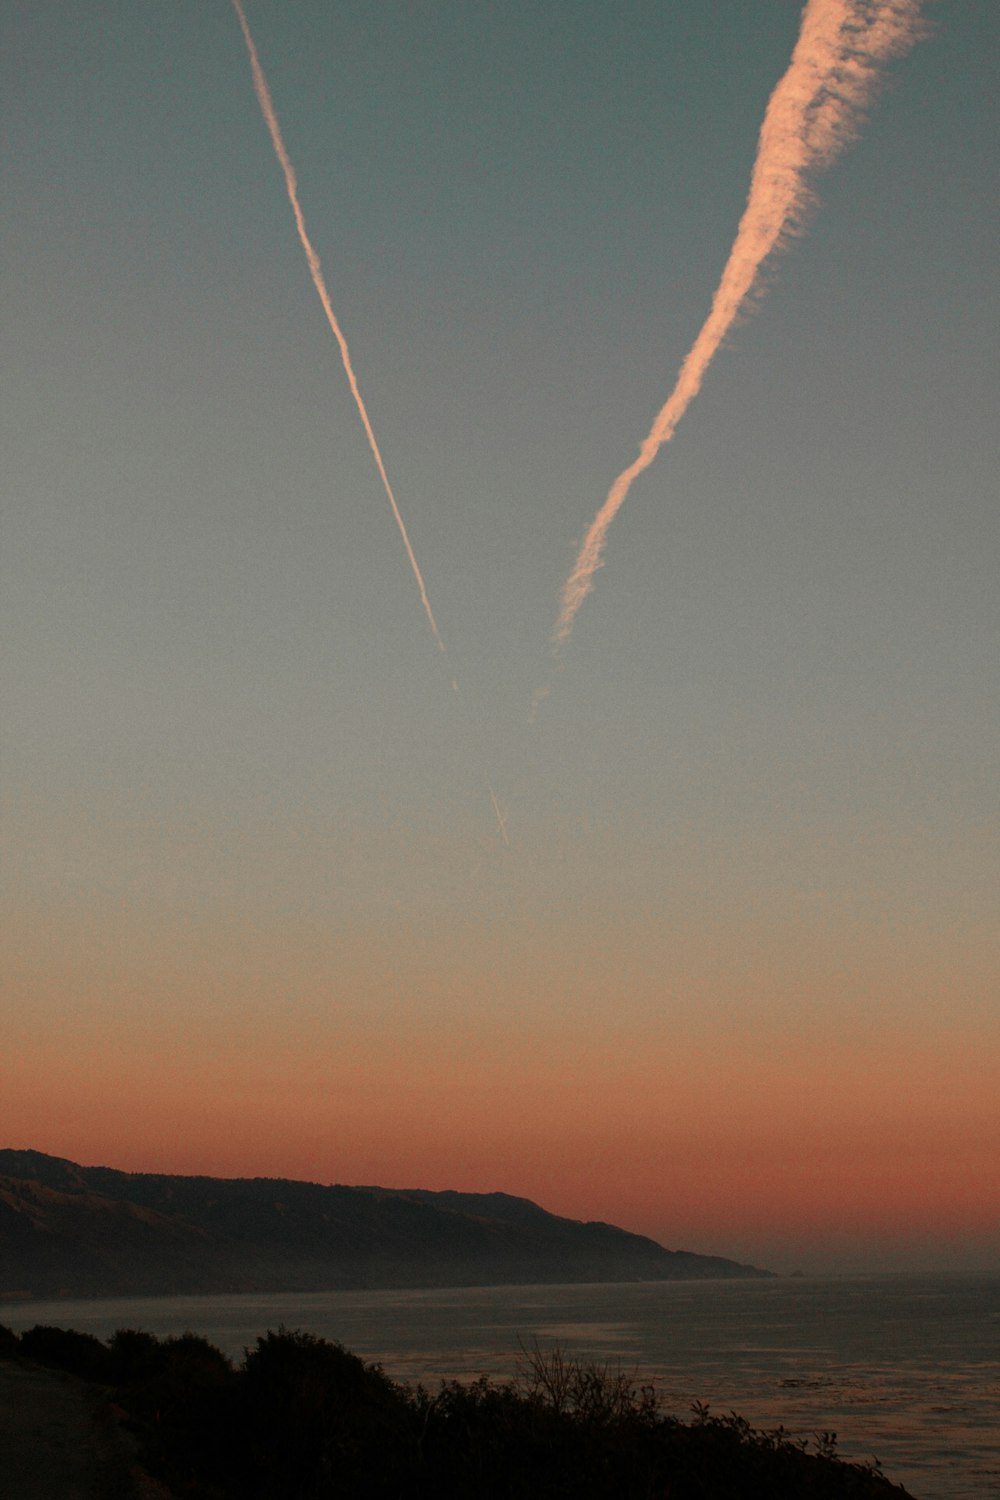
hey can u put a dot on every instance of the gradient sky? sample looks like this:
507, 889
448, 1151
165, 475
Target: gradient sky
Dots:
734, 982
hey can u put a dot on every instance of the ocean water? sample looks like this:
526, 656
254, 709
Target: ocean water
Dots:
905, 1369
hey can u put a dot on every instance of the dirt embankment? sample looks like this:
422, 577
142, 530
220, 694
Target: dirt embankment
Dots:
60, 1440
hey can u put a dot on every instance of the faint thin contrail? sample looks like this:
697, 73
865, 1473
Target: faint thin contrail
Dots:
316, 272
814, 112
501, 816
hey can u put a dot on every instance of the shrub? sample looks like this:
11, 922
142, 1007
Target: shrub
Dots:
304, 1419
315, 1420
179, 1392
65, 1349
134, 1354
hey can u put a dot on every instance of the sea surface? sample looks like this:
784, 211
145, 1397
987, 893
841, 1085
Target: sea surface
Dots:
905, 1369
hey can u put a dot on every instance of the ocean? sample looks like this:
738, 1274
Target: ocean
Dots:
905, 1369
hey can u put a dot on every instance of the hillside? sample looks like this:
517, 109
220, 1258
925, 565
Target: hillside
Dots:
69, 1230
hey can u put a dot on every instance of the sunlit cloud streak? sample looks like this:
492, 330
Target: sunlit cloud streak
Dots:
814, 112
315, 271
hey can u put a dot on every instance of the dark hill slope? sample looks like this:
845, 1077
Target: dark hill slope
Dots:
92, 1231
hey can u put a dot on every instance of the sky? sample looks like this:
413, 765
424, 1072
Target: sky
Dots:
727, 974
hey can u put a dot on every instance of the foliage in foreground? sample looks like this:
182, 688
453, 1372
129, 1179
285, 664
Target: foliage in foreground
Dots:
303, 1419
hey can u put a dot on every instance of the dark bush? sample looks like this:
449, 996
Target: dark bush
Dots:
566, 1429
723, 1456
180, 1394
10, 1344
316, 1420
304, 1419
65, 1349
134, 1355
163, 1375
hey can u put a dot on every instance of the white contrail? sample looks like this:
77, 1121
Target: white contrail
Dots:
315, 271
814, 112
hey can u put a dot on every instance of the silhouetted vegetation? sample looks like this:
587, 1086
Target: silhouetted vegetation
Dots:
302, 1418
65, 1349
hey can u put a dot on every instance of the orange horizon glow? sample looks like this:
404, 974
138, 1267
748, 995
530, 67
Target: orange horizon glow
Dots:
726, 1143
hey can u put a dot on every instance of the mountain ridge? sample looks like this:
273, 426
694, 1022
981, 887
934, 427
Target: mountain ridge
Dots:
71, 1230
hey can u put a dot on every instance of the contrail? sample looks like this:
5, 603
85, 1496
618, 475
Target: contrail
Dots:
814, 112
501, 816
315, 271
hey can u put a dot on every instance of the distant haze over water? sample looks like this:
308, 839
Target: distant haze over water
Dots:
905, 1368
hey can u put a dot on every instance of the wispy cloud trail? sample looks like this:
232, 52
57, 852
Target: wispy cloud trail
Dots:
813, 113
315, 271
